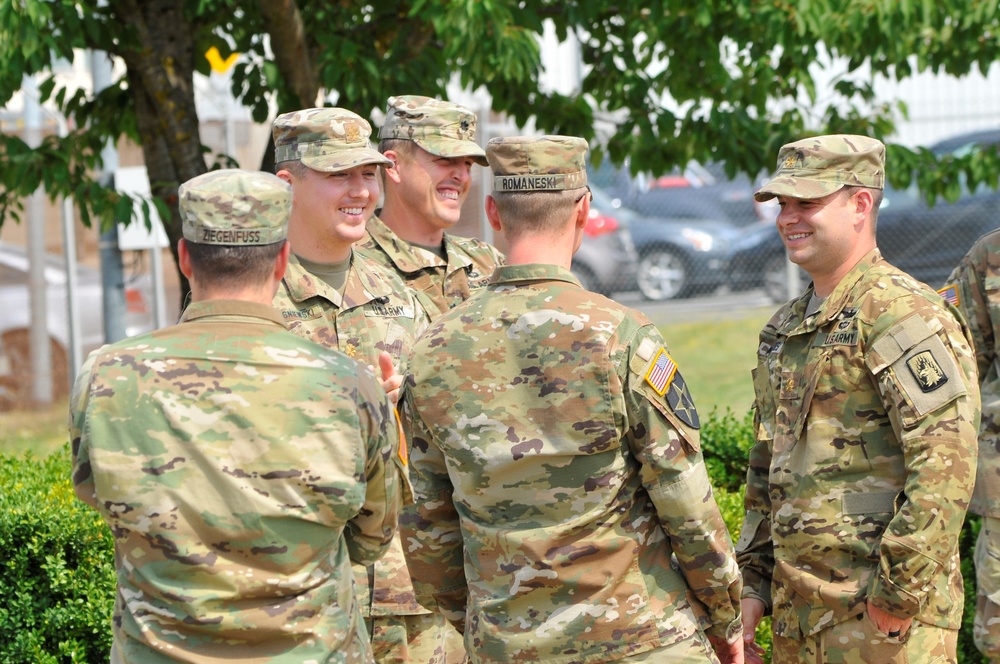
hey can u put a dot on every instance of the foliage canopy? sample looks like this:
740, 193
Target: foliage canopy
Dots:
665, 81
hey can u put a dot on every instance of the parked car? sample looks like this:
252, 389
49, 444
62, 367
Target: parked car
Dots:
606, 260
695, 192
925, 241
676, 257
15, 321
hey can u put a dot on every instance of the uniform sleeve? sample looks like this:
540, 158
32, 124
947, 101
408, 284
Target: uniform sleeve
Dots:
369, 534
663, 437
83, 477
432, 537
966, 289
925, 370
755, 548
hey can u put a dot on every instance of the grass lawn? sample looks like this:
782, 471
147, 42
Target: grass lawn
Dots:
40, 432
715, 357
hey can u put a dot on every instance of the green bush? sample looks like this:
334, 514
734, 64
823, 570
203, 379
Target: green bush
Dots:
726, 441
56, 567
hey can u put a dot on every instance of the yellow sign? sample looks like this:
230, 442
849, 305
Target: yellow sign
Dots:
218, 64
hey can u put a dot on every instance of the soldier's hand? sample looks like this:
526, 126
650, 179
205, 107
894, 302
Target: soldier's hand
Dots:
887, 623
752, 610
391, 381
728, 653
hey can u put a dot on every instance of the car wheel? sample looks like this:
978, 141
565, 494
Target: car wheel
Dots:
776, 280
15, 370
662, 275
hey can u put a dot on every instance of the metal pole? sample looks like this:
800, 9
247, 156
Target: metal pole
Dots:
112, 271
69, 253
38, 338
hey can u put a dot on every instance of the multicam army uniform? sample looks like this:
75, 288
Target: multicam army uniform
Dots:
375, 313
866, 413
974, 287
549, 428
241, 469
441, 283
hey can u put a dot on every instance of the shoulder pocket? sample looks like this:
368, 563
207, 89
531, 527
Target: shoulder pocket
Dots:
921, 367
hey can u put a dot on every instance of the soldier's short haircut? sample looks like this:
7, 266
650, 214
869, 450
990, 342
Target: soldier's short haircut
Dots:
535, 211
877, 195
227, 266
400, 145
293, 166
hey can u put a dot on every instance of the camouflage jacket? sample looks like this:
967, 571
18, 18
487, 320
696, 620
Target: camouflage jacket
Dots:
573, 479
858, 484
441, 284
974, 287
376, 313
236, 503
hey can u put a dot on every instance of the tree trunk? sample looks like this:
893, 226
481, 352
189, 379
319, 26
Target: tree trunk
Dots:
293, 58
161, 76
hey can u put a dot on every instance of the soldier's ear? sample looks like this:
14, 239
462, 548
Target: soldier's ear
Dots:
184, 258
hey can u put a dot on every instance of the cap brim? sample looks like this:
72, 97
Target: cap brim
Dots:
795, 187
453, 147
344, 159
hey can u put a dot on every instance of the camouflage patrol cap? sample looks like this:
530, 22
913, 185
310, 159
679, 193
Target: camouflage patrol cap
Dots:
440, 127
235, 207
325, 139
537, 163
818, 166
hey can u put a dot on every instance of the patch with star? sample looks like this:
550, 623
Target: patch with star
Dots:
926, 371
665, 379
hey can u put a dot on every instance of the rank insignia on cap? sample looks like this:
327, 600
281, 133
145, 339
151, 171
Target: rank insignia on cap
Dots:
950, 293
661, 372
927, 371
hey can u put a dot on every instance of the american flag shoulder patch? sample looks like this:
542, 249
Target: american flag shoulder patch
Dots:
950, 293
661, 371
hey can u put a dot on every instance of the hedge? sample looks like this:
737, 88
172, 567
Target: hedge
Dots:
58, 576
56, 567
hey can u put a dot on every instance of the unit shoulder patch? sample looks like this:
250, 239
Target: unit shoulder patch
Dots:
926, 371
663, 376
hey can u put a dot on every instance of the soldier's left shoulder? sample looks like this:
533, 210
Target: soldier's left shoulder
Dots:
923, 351
655, 374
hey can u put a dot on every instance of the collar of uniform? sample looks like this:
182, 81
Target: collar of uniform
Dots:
531, 272
302, 284
408, 258
366, 281
211, 308
843, 295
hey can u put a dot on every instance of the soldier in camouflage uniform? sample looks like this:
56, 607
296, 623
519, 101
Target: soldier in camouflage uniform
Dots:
564, 512
432, 147
332, 295
974, 287
867, 407
240, 467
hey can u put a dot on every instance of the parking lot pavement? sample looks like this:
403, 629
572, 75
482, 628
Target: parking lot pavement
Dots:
721, 305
